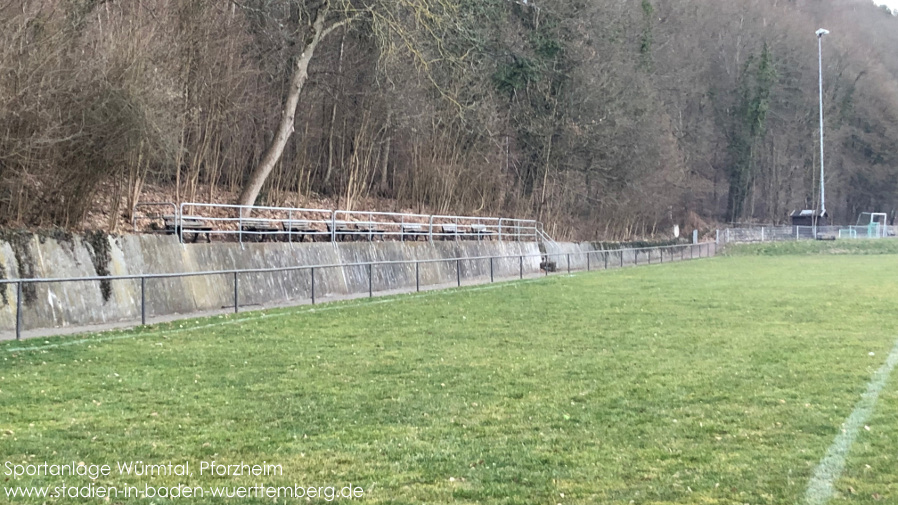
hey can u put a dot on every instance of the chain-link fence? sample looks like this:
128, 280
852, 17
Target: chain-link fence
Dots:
785, 233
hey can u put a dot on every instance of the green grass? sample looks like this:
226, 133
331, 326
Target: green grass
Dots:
710, 382
804, 247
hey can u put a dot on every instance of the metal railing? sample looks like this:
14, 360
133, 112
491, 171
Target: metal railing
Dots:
786, 233
570, 261
259, 223
288, 223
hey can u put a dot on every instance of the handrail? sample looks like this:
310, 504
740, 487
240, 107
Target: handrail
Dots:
287, 216
231, 219
169, 275
605, 253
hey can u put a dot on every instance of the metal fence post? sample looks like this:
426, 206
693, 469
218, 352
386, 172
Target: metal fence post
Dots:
568, 263
661, 250
588, 255
370, 280
522, 267
692, 251
491, 269
235, 293
606, 260
621, 257
179, 211
313, 285
18, 311
417, 277
143, 301
458, 272
334, 227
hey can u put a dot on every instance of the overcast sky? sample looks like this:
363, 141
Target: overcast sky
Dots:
893, 4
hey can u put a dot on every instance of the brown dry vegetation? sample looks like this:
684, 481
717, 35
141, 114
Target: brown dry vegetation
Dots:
603, 119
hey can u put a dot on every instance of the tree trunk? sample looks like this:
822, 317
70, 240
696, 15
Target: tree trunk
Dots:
285, 128
337, 99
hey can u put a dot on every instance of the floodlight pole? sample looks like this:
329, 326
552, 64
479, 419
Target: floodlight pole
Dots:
820, 33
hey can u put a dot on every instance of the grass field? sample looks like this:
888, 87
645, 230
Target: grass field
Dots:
720, 381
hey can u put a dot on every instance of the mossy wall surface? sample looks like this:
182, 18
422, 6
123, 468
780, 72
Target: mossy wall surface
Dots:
83, 303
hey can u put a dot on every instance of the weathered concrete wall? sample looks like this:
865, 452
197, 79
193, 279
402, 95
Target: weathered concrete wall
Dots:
584, 255
64, 304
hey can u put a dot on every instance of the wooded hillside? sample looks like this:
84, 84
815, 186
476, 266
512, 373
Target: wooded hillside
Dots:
604, 119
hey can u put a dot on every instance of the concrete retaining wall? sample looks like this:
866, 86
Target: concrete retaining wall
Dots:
584, 255
85, 303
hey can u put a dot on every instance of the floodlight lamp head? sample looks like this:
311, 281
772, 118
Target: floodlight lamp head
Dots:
821, 32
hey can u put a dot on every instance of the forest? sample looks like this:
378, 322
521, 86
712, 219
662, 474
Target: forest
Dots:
605, 119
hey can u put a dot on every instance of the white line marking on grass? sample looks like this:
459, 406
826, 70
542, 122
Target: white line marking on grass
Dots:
820, 488
309, 310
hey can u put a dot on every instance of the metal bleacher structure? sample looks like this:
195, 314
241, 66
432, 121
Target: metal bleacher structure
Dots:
191, 221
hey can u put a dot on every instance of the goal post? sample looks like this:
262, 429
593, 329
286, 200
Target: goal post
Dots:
874, 222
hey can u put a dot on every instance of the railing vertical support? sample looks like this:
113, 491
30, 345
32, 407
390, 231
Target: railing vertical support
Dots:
312, 270
334, 227
370, 280
458, 272
18, 311
236, 300
143, 301
417, 277
179, 213
492, 279
239, 227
